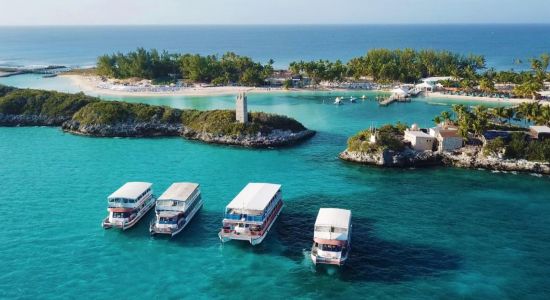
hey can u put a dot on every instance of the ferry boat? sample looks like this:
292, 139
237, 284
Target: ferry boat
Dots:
252, 213
332, 236
128, 204
175, 208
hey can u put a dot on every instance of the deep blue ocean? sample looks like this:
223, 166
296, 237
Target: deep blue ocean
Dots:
79, 46
440, 233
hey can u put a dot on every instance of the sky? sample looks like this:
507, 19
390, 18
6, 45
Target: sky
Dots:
172, 12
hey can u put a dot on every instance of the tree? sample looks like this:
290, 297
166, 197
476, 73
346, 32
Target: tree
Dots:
487, 85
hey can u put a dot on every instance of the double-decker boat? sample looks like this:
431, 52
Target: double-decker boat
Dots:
250, 215
332, 236
128, 204
175, 208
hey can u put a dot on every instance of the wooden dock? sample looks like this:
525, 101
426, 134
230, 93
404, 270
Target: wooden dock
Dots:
393, 99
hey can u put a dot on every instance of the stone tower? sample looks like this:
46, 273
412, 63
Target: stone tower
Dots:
241, 112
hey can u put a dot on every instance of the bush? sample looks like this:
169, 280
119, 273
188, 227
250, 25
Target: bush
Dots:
387, 137
494, 146
45, 103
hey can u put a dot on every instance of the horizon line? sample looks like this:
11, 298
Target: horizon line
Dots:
278, 24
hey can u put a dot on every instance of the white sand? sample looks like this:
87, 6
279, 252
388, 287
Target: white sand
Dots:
481, 99
89, 84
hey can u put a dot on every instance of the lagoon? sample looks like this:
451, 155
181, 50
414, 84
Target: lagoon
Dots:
418, 233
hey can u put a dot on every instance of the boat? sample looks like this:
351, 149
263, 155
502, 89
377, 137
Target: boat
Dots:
338, 101
252, 213
352, 99
128, 204
331, 237
175, 208
363, 97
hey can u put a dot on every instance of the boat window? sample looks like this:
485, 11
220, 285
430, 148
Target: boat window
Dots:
120, 214
333, 248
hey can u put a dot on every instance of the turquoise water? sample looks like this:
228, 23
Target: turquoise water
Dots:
418, 233
80, 46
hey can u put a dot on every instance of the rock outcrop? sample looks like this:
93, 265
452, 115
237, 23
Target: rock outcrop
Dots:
31, 120
276, 138
468, 157
397, 159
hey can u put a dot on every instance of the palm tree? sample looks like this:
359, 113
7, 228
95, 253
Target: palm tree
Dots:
544, 116
487, 85
499, 113
480, 121
446, 116
460, 110
437, 120
509, 114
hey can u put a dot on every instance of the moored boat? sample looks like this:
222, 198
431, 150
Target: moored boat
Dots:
338, 101
332, 236
128, 204
175, 208
252, 213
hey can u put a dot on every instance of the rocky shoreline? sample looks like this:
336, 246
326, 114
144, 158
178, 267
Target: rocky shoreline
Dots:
467, 157
276, 138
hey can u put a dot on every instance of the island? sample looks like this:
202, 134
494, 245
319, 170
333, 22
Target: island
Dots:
499, 139
402, 73
84, 115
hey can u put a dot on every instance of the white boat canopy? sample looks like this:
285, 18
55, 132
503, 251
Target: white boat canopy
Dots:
131, 190
437, 79
400, 91
334, 217
254, 197
179, 191
425, 85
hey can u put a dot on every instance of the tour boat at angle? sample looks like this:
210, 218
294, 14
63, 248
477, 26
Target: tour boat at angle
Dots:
332, 236
175, 208
252, 213
128, 204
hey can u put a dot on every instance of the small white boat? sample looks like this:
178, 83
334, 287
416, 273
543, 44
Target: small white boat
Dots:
363, 97
352, 99
128, 204
332, 236
252, 213
338, 101
175, 208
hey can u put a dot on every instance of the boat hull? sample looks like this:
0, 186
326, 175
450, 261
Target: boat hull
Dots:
252, 239
127, 225
153, 230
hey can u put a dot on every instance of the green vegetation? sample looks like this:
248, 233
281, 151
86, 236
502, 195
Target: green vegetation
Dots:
388, 137
92, 111
384, 65
112, 112
518, 147
42, 103
230, 68
479, 119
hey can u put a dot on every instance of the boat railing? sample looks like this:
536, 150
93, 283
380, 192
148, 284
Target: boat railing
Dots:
247, 218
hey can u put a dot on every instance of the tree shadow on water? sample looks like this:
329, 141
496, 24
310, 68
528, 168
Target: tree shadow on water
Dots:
371, 259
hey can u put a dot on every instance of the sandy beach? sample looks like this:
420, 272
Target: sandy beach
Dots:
482, 99
90, 85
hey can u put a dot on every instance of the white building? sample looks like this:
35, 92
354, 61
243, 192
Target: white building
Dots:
447, 137
420, 141
539, 132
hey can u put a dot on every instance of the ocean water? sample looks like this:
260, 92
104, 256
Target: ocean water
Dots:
418, 233
80, 46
